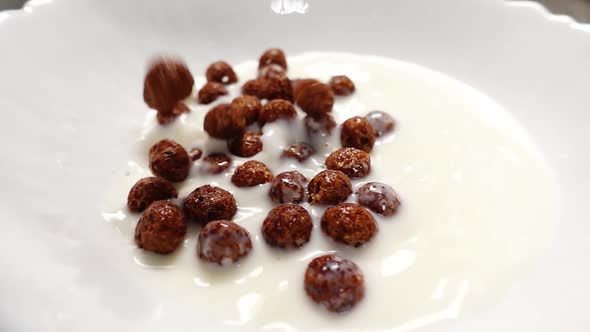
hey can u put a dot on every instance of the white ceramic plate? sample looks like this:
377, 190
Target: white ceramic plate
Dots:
70, 95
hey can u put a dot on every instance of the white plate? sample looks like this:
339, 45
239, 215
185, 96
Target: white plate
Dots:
70, 94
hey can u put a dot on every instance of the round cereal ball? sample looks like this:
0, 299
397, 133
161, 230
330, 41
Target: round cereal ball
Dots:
224, 123
353, 162
277, 109
357, 133
378, 197
273, 56
329, 187
215, 163
334, 282
169, 160
246, 145
316, 98
148, 190
300, 84
221, 72
161, 228
341, 85
167, 82
381, 122
287, 226
250, 174
300, 151
279, 88
349, 223
272, 71
223, 242
320, 124
256, 87
208, 203
288, 187
210, 92
249, 105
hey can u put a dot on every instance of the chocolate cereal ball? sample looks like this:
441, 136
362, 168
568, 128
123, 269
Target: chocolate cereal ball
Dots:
341, 85
279, 88
167, 82
288, 187
148, 190
250, 174
320, 124
275, 110
246, 145
208, 203
161, 228
349, 223
357, 133
316, 98
223, 122
210, 92
273, 56
216, 163
378, 197
299, 151
329, 187
381, 122
221, 72
300, 84
249, 105
195, 154
256, 87
287, 226
223, 242
353, 162
169, 160
334, 282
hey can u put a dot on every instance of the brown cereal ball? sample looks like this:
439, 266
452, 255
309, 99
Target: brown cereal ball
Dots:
316, 98
378, 197
273, 56
210, 92
148, 190
216, 163
208, 203
223, 242
161, 228
195, 154
275, 110
299, 151
246, 145
353, 162
221, 72
357, 133
288, 187
287, 226
224, 123
329, 187
335, 283
249, 105
319, 124
381, 122
250, 174
300, 84
341, 85
169, 160
256, 87
167, 117
279, 88
349, 223
271, 71
166, 83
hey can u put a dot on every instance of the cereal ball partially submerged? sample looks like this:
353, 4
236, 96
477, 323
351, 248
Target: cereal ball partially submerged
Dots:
195, 154
169, 160
349, 223
246, 145
300, 84
279, 88
299, 151
210, 92
378, 197
161, 228
148, 190
320, 124
272, 71
223, 242
335, 283
341, 85
316, 98
353, 162
288, 187
251, 173
287, 226
215, 163
357, 133
208, 203
275, 110
249, 105
167, 82
224, 123
256, 87
329, 187
381, 122
221, 72
273, 56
